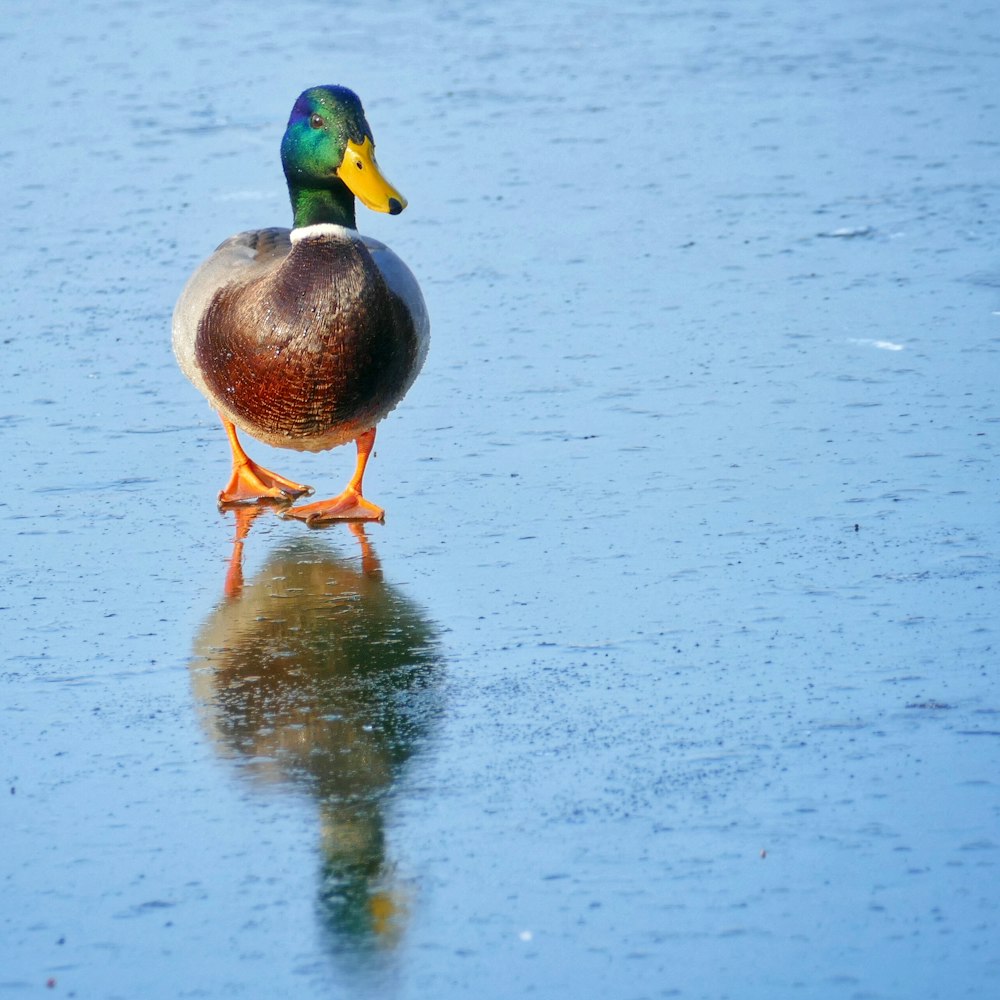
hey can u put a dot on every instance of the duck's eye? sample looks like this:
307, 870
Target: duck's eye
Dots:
316, 121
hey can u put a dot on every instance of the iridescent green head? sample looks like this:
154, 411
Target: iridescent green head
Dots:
329, 158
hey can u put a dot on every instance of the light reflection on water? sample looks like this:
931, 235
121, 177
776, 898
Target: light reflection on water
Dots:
317, 676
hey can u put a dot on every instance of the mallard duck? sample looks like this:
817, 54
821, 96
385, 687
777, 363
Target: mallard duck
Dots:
306, 338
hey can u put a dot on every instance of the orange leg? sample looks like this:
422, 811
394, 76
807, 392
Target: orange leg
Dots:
251, 482
348, 505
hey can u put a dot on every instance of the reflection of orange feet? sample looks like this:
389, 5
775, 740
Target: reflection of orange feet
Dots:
244, 516
348, 506
370, 564
251, 483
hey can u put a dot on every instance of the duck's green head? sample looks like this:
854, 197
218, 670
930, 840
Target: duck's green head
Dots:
329, 159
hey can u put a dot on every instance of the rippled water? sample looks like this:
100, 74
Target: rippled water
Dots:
673, 670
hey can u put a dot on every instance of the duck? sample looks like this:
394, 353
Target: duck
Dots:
306, 338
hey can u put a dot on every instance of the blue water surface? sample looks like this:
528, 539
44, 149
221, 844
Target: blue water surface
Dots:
673, 671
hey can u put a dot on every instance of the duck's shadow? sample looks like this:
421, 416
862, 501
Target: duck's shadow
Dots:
317, 676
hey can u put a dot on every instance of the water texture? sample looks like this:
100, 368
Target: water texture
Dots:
673, 671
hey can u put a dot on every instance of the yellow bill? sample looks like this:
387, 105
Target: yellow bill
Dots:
359, 171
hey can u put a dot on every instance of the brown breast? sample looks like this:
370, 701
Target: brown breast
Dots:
316, 344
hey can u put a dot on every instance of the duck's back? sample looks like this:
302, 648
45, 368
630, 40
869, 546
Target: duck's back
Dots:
304, 339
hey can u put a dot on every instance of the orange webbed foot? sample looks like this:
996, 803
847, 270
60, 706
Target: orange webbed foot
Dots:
347, 506
252, 483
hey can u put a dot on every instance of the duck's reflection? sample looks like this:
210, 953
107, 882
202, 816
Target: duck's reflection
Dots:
317, 675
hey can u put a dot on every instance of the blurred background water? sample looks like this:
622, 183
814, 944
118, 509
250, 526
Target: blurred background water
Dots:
673, 671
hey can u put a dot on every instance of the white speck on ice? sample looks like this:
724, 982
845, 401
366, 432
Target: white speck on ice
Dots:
848, 232
882, 345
